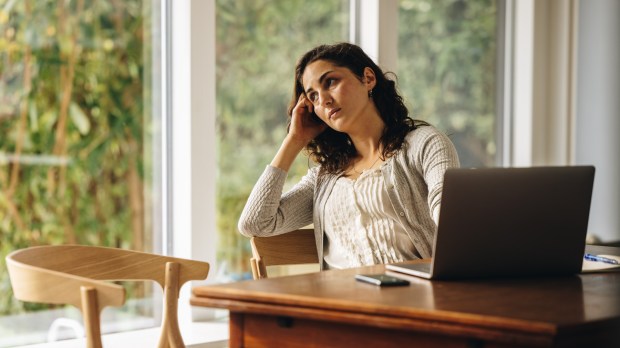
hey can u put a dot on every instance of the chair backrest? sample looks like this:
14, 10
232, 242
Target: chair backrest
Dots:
76, 275
292, 248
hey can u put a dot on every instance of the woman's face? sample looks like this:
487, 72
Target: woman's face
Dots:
337, 95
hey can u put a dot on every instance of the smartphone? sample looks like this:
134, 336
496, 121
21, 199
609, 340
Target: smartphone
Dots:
381, 279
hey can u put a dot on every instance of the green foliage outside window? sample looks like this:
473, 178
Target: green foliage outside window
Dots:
447, 71
73, 94
258, 44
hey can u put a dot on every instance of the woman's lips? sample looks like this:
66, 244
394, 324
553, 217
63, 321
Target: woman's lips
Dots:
333, 112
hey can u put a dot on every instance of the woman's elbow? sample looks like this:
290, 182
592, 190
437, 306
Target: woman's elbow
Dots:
254, 227
246, 227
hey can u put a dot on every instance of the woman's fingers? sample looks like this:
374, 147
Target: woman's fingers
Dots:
302, 105
303, 121
307, 103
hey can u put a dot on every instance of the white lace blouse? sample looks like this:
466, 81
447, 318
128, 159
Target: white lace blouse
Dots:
361, 226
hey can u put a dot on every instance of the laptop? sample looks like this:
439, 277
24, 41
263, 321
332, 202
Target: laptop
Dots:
509, 222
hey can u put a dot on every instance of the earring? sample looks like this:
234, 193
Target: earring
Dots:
370, 94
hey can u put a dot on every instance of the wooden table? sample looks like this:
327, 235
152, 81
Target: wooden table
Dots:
332, 309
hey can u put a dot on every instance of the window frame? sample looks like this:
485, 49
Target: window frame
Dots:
543, 79
190, 230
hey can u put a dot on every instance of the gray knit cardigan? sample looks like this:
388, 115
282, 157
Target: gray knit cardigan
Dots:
413, 178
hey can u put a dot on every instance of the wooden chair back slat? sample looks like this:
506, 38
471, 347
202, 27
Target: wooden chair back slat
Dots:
292, 248
104, 263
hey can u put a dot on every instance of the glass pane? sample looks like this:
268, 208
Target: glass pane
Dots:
258, 44
76, 144
447, 71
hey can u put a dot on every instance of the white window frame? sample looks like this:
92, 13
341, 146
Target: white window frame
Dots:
193, 130
376, 23
190, 226
543, 84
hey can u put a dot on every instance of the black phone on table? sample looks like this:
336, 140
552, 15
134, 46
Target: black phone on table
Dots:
381, 279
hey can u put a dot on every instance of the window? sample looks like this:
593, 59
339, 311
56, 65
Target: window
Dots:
79, 148
447, 72
257, 46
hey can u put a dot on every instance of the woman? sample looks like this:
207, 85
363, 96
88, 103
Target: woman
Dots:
375, 195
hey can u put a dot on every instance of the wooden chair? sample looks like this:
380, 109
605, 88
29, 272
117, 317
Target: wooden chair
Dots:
74, 274
296, 247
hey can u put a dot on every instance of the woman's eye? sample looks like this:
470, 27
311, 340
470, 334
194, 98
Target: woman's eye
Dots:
329, 82
312, 97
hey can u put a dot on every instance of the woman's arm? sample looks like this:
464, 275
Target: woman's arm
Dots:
268, 212
436, 156
290, 148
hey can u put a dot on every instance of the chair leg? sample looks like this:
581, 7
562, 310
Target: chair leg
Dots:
255, 274
90, 312
171, 334
262, 269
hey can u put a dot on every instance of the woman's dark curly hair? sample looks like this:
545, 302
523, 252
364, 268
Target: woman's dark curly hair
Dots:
334, 150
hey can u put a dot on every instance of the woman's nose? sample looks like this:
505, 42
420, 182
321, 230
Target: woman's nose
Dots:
325, 99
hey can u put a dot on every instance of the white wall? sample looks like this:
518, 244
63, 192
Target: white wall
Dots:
598, 110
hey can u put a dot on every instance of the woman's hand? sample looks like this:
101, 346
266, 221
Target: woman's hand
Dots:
305, 124
304, 127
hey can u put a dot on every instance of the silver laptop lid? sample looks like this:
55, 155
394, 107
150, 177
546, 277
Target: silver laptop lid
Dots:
512, 222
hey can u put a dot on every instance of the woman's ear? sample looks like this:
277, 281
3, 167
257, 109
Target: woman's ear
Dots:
370, 80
